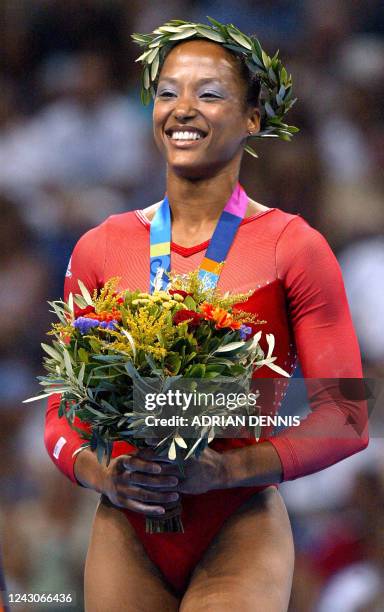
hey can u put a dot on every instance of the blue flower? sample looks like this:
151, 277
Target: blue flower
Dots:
245, 331
109, 324
84, 324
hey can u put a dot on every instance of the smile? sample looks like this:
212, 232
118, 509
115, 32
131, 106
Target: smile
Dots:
184, 136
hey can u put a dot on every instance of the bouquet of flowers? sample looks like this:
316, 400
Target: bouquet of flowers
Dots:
111, 343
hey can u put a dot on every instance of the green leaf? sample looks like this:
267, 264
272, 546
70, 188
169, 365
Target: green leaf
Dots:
251, 151
70, 302
173, 363
289, 106
143, 56
216, 23
83, 355
186, 33
196, 371
266, 60
176, 22
152, 55
257, 47
68, 363
234, 48
155, 66
240, 38
272, 76
85, 293
252, 67
141, 38
232, 346
269, 110
172, 451
51, 352
38, 397
145, 96
167, 29
210, 34
79, 301
155, 44
109, 407
190, 303
146, 79
180, 442
80, 377
257, 61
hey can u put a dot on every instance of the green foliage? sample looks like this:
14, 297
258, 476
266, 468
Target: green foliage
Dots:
103, 375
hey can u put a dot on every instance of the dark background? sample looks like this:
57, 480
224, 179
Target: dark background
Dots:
76, 146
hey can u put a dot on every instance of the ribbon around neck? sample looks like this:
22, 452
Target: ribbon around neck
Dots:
218, 248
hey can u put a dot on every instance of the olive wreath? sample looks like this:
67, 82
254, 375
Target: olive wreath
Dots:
276, 98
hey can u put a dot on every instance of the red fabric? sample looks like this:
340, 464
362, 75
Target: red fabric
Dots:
298, 289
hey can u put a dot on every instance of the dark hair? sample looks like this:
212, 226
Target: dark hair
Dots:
251, 79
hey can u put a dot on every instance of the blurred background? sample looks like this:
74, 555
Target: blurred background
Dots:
76, 146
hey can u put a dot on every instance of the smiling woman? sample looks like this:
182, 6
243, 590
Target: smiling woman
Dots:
237, 548
201, 119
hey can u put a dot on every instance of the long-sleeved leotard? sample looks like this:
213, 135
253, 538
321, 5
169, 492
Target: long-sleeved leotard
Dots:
298, 289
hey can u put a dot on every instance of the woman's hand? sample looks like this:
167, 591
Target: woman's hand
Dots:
141, 485
201, 475
131, 481
206, 473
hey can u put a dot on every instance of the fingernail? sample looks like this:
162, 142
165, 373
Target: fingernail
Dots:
174, 480
174, 496
157, 468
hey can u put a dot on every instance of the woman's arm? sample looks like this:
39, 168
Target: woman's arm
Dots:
62, 442
337, 427
128, 481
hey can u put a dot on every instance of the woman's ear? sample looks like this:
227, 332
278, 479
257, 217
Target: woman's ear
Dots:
253, 123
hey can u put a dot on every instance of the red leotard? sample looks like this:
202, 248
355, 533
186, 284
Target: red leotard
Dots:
298, 289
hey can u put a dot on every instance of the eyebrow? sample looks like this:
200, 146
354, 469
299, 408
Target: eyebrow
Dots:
199, 82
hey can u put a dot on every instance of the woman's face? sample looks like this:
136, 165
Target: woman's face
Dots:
200, 118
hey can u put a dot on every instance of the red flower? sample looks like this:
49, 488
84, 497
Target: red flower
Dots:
81, 312
179, 292
114, 315
191, 316
222, 318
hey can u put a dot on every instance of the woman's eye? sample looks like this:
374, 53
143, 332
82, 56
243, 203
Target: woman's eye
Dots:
210, 94
166, 94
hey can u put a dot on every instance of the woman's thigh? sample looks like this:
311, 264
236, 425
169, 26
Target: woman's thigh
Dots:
119, 576
249, 565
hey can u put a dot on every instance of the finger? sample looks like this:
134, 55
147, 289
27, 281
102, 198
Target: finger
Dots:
149, 495
144, 480
150, 453
146, 509
136, 464
152, 496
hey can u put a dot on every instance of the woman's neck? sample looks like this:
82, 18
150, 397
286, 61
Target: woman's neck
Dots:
197, 202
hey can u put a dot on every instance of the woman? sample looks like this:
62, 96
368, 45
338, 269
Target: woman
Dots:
237, 547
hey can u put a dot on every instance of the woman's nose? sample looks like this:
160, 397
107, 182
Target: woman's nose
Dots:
184, 108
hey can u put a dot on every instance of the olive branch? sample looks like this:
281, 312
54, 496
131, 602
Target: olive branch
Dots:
276, 83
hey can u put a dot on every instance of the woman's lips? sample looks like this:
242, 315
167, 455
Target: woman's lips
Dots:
185, 136
185, 139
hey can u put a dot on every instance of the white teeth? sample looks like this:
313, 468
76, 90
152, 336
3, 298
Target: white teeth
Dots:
185, 136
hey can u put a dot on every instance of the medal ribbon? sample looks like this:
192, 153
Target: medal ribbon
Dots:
219, 245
